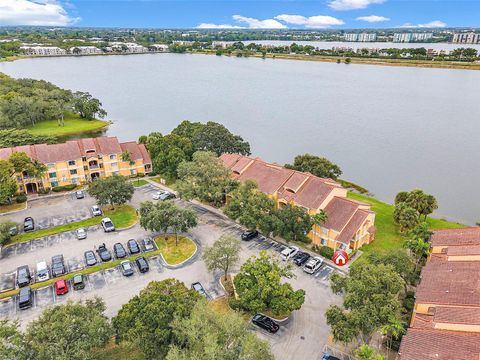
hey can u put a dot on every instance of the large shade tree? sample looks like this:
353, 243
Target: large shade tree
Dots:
316, 165
223, 254
112, 190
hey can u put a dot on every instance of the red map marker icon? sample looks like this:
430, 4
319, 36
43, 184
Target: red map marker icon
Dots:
340, 257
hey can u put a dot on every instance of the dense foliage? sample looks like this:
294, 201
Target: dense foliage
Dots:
18, 137
410, 206
223, 254
316, 165
113, 190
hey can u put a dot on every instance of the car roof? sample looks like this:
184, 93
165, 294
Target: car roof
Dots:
106, 219
60, 282
42, 264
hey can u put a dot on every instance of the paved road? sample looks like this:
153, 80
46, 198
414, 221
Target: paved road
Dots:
303, 336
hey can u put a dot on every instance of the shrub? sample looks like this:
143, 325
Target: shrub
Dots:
326, 252
64, 188
21, 198
234, 303
408, 304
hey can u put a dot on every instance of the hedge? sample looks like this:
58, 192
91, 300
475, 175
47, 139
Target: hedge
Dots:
64, 188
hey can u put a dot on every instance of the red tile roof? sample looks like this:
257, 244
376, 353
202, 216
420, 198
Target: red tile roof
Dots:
463, 250
449, 283
457, 315
137, 151
452, 237
352, 226
426, 344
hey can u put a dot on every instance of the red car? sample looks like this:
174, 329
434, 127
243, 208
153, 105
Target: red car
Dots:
61, 287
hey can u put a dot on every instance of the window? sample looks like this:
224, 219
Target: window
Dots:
74, 181
73, 172
324, 241
51, 166
52, 175
71, 162
114, 166
133, 172
113, 157
54, 183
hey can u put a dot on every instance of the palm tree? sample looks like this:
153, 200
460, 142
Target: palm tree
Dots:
392, 330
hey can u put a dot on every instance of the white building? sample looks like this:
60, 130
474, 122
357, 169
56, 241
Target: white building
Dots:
43, 50
466, 38
362, 37
158, 48
129, 48
85, 50
409, 37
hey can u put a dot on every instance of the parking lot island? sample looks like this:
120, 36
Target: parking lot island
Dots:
176, 254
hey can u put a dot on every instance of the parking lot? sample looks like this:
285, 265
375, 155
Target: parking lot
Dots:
304, 334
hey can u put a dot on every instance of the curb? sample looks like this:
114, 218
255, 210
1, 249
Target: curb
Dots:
15, 211
184, 261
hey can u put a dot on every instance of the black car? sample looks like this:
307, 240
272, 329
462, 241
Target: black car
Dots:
90, 258
23, 276
265, 323
249, 235
133, 246
25, 298
119, 251
126, 267
58, 266
28, 224
329, 357
199, 288
104, 253
301, 258
142, 264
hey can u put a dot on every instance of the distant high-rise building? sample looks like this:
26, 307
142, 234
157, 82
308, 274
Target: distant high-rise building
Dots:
402, 37
466, 38
351, 37
410, 37
362, 37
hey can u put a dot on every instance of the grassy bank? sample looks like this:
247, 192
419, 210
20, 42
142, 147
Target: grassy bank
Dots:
172, 253
122, 217
73, 125
388, 237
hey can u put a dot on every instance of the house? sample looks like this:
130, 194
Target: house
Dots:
80, 161
85, 50
349, 225
445, 322
43, 50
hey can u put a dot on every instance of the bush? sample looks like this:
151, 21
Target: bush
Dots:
64, 188
326, 252
409, 303
305, 240
234, 303
21, 198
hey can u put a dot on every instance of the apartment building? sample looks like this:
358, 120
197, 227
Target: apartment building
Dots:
129, 48
446, 318
158, 48
412, 37
43, 50
350, 224
81, 161
466, 38
85, 50
361, 37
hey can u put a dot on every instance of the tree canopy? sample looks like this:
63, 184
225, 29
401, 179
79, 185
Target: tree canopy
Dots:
146, 321
260, 287
112, 190
18, 137
223, 254
8, 185
12, 342
316, 165
416, 199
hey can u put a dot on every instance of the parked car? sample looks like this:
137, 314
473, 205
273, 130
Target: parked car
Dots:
142, 264
23, 276
327, 356
265, 323
96, 211
167, 196
126, 267
301, 258
107, 225
25, 298
199, 288
156, 195
249, 235
79, 194
288, 253
313, 265
81, 233
104, 253
28, 224
58, 266
79, 282
42, 271
133, 246
90, 258
119, 251
148, 244
61, 287
13, 230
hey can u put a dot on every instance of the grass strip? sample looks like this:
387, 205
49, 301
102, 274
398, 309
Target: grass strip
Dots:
139, 182
13, 207
172, 253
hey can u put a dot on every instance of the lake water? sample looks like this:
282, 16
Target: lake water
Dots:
388, 128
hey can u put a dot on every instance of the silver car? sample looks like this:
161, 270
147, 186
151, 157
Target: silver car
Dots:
96, 211
81, 233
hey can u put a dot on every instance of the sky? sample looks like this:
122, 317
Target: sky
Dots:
250, 14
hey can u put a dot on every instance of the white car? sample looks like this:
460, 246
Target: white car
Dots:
81, 233
313, 265
96, 211
42, 271
107, 225
156, 195
288, 252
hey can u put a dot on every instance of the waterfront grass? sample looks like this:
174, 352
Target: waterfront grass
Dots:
388, 237
12, 207
73, 125
173, 253
122, 217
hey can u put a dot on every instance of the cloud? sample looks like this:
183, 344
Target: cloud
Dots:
352, 4
373, 18
431, 24
259, 24
40, 12
218, 26
316, 22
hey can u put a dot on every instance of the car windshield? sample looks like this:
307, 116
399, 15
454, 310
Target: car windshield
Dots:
127, 266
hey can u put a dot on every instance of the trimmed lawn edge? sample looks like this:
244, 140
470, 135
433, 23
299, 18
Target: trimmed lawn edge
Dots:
181, 238
16, 207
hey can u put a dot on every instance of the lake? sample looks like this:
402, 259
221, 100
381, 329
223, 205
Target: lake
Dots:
388, 128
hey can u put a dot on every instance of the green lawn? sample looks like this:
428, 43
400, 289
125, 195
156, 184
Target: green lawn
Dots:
13, 207
175, 254
387, 237
168, 182
73, 125
139, 182
122, 217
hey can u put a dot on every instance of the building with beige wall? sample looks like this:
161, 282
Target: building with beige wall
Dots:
349, 225
80, 161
